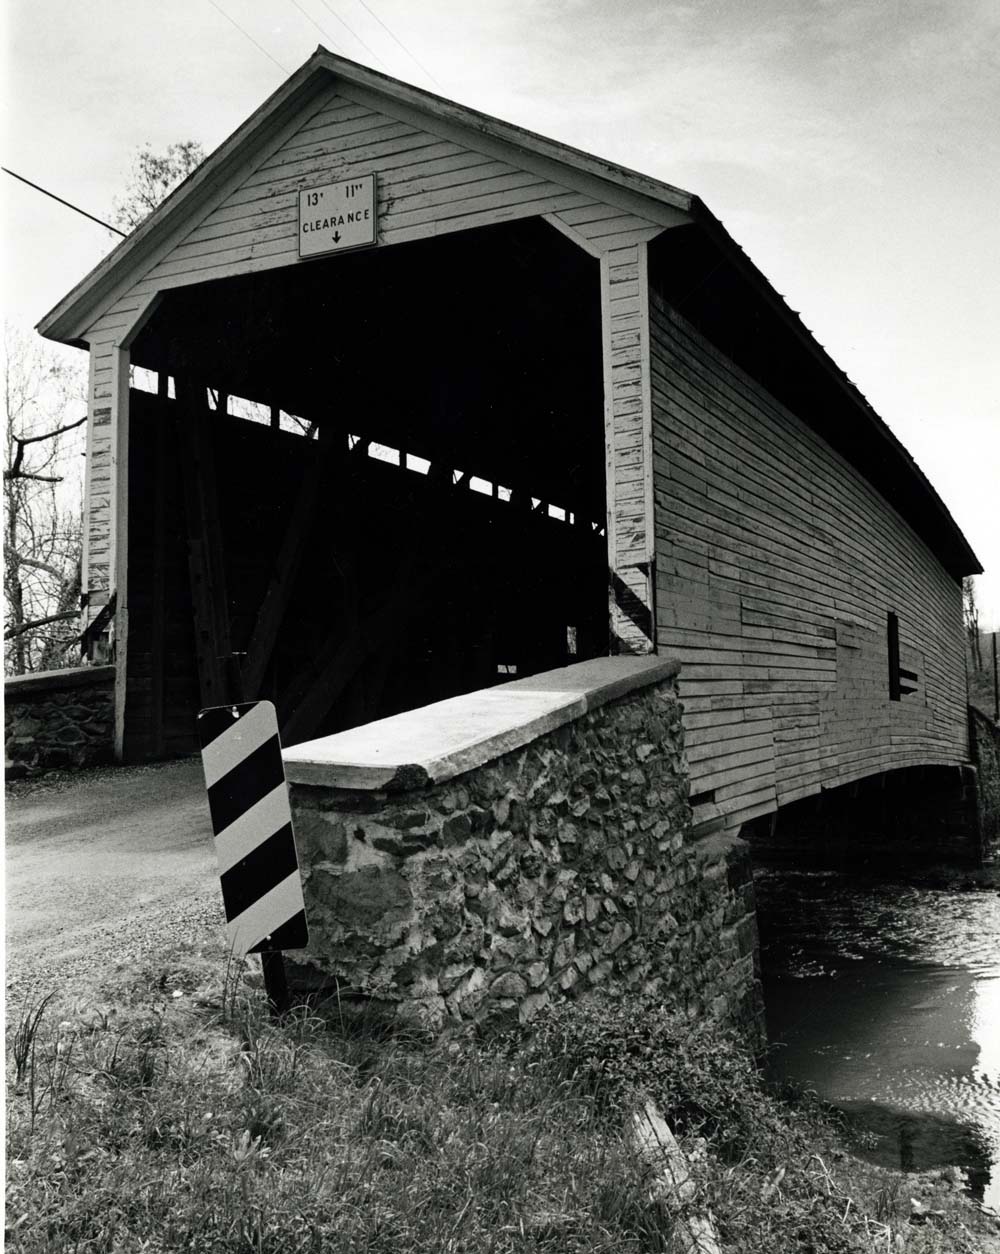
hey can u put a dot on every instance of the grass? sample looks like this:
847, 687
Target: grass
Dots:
174, 1116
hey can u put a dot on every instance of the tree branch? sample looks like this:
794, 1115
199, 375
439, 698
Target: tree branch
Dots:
50, 435
22, 441
39, 622
15, 473
39, 565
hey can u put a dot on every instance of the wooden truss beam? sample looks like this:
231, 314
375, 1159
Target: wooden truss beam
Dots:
205, 548
272, 610
313, 694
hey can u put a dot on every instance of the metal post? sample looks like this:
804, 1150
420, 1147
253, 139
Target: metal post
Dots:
272, 961
996, 684
234, 678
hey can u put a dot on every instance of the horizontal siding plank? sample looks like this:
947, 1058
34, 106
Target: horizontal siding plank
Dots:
776, 564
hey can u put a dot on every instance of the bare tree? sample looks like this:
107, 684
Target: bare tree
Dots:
970, 613
152, 178
45, 411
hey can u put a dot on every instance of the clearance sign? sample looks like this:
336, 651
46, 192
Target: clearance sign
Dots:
337, 216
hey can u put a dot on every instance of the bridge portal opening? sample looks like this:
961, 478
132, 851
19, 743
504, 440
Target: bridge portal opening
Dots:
378, 477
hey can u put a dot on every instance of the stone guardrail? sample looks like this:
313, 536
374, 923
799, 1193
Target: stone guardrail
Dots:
59, 718
486, 854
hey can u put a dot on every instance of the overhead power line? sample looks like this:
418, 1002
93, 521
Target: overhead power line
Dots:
69, 204
420, 65
306, 14
259, 47
107, 225
352, 31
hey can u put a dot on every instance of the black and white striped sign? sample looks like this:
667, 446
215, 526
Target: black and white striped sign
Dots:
254, 843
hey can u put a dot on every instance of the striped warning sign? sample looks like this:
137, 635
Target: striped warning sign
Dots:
254, 843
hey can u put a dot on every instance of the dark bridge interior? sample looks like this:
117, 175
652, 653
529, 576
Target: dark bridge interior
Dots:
380, 477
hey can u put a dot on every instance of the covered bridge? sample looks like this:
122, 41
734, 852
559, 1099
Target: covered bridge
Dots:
398, 401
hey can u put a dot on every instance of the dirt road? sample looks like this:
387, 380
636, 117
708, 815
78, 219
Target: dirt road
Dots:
104, 867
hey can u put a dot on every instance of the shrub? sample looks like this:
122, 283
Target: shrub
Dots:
703, 1077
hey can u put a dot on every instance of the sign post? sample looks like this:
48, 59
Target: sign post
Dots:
254, 841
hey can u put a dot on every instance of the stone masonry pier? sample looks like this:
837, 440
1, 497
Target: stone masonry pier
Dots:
486, 854
60, 718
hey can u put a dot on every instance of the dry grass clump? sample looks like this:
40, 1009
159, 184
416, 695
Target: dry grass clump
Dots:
181, 1118
176, 1116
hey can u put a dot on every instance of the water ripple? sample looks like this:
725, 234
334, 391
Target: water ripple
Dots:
885, 998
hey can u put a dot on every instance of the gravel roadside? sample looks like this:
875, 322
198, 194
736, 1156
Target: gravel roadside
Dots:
104, 868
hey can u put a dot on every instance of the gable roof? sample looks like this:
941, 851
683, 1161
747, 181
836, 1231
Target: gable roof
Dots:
656, 200
67, 320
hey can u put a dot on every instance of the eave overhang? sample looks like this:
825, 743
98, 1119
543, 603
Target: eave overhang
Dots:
937, 526
68, 321
660, 202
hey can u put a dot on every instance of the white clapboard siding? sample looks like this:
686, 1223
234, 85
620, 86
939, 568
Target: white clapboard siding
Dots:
620, 240
427, 184
777, 563
432, 178
99, 486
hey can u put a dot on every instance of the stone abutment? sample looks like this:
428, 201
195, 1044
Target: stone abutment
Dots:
488, 854
59, 718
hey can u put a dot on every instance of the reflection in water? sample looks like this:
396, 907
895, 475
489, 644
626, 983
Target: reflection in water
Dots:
885, 999
986, 1030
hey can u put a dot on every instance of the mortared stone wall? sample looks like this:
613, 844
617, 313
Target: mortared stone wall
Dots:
553, 868
59, 718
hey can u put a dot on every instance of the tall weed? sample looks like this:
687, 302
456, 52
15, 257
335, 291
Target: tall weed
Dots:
193, 1122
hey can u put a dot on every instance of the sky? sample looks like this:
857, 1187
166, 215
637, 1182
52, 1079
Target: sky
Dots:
852, 148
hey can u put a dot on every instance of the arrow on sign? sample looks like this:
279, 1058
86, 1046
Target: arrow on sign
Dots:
336, 237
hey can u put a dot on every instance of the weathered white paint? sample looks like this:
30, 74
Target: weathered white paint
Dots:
777, 564
105, 532
433, 176
119, 531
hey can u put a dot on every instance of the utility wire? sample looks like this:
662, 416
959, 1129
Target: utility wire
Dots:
259, 47
419, 64
107, 225
353, 32
308, 15
67, 203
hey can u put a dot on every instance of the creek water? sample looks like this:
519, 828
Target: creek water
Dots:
884, 998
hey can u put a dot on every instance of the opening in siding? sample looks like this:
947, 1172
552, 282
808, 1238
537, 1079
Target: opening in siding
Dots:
249, 411
892, 640
143, 380
256, 411
295, 425
506, 668
383, 453
902, 682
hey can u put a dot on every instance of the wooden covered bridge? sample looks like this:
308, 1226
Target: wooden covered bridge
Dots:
397, 400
